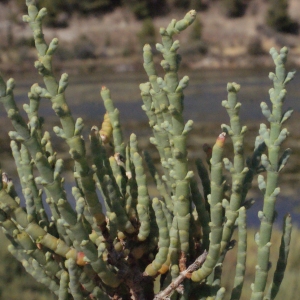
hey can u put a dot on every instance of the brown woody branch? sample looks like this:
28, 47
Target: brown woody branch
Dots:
175, 284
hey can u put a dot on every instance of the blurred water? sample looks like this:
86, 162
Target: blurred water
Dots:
202, 103
203, 96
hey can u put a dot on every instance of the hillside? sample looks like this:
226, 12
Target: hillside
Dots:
115, 38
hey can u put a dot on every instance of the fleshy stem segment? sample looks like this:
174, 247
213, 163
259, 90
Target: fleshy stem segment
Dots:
273, 163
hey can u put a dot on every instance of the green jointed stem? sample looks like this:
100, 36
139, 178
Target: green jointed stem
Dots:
220, 294
114, 119
23, 134
32, 267
169, 129
74, 279
71, 130
102, 165
25, 172
173, 248
50, 179
124, 224
28, 246
159, 183
152, 99
163, 242
44, 66
84, 175
73, 223
216, 211
241, 256
237, 170
131, 187
118, 175
32, 109
168, 215
38, 234
113, 224
102, 269
143, 200
272, 163
63, 286
177, 130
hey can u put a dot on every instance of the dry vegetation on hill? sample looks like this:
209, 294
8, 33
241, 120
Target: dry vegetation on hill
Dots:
116, 38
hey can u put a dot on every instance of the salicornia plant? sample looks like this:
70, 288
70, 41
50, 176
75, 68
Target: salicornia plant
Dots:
128, 244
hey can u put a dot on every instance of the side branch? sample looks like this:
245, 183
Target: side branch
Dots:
175, 284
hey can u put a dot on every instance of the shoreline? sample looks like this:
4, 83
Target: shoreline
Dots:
135, 63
